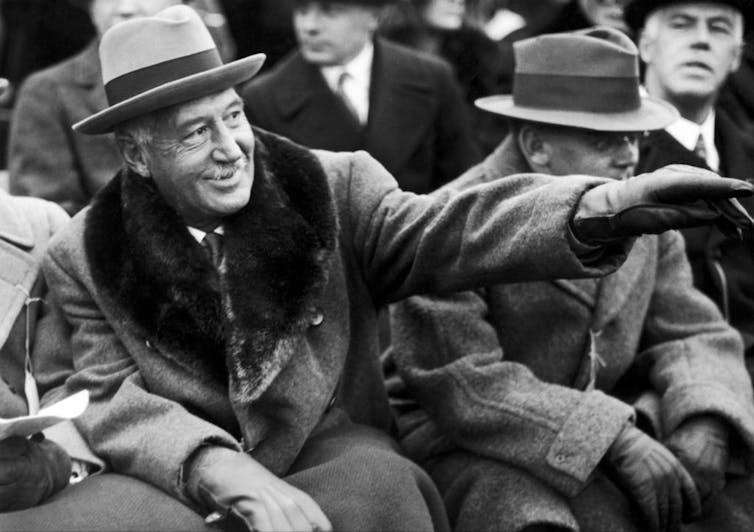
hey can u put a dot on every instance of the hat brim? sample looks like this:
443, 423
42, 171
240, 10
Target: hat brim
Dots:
652, 114
174, 92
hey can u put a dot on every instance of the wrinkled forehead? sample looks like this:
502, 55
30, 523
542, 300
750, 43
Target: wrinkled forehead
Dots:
698, 10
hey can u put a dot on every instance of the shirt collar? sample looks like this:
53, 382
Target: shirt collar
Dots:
199, 235
360, 68
687, 132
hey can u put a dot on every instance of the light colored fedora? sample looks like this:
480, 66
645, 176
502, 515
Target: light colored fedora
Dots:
587, 79
149, 63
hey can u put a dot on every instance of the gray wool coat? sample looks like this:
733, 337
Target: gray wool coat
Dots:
174, 362
542, 376
46, 158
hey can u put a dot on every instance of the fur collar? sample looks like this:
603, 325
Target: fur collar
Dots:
276, 254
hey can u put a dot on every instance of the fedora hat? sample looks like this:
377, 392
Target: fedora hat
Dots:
149, 63
637, 11
587, 79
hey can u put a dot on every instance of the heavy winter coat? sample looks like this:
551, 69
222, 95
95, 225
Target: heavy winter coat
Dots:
722, 267
325, 240
418, 126
46, 159
536, 375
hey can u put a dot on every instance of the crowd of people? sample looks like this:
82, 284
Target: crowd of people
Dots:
381, 265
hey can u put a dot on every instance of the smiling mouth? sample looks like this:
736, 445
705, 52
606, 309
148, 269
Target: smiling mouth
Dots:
698, 64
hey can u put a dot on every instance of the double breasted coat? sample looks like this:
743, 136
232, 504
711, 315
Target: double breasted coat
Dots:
418, 125
173, 362
543, 376
46, 159
722, 266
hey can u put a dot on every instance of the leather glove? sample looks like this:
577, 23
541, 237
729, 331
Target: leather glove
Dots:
701, 444
242, 489
31, 470
654, 478
673, 197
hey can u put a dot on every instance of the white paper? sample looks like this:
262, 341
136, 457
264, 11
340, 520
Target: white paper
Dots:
68, 408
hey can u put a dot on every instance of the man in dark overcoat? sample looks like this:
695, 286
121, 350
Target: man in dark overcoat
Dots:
405, 108
223, 288
689, 50
577, 404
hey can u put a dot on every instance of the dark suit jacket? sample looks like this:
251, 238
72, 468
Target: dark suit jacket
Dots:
418, 126
46, 158
723, 267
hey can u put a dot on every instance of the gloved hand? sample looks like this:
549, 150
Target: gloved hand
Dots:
658, 483
31, 470
233, 482
673, 197
701, 444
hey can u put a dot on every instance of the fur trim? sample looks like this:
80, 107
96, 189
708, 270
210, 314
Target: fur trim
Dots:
276, 250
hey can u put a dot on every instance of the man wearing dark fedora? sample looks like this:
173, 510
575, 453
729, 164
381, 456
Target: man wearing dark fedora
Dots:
573, 404
223, 288
689, 49
344, 90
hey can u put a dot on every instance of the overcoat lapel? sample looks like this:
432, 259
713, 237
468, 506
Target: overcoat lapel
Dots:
312, 111
400, 100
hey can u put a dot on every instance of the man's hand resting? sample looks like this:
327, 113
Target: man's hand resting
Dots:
31, 470
673, 197
701, 444
656, 481
227, 480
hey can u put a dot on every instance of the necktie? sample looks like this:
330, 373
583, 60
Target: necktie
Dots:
340, 91
699, 149
213, 245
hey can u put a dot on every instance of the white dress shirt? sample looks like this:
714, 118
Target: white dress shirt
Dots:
198, 234
687, 132
356, 85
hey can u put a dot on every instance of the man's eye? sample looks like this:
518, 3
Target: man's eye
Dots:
198, 132
721, 28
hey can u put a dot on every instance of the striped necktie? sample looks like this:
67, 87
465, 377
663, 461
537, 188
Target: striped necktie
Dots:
213, 245
700, 148
340, 91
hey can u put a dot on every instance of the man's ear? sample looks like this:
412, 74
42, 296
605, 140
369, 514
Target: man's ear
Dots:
535, 150
136, 158
737, 58
646, 46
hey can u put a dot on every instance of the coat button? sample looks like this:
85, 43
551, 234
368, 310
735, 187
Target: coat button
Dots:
148, 344
560, 458
317, 318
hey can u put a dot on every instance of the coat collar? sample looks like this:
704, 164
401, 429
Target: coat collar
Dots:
606, 295
85, 67
276, 254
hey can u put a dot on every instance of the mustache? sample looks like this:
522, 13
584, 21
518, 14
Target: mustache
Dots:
226, 170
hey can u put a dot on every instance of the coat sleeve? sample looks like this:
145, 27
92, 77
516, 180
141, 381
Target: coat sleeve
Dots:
40, 152
695, 358
449, 357
138, 433
456, 148
508, 230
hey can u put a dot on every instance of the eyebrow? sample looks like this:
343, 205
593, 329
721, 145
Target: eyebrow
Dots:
188, 123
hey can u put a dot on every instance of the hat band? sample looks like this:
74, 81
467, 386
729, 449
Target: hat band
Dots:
576, 93
139, 81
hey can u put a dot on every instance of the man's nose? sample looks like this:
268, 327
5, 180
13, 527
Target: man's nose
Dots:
701, 36
627, 153
227, 147
308, 19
